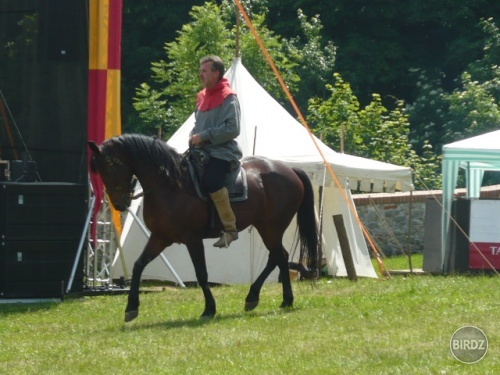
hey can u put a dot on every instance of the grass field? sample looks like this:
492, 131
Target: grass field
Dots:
401, 325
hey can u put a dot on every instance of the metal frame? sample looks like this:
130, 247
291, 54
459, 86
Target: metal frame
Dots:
100, 255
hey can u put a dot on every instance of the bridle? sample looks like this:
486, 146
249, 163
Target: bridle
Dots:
113, 163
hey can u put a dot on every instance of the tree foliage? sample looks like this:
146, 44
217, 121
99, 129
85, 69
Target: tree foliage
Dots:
474, 106
471, 108
304, 62
166, 104
373, 131
210, 31
438, 57
315, 58
146, 27
380, 40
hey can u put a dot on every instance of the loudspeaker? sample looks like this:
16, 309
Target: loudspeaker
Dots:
23, 171
41, 225
4, 170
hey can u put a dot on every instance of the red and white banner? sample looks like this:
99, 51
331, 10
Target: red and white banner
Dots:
484, 246
478, 251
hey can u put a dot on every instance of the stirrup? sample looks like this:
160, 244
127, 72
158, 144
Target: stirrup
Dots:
226, 238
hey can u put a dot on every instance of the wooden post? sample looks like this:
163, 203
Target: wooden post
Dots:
344, 246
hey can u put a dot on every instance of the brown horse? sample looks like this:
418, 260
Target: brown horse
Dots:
174, 213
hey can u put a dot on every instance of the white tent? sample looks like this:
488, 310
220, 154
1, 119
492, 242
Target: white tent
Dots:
268, 129
475, 155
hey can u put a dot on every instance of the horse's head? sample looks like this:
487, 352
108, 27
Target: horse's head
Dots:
108, 161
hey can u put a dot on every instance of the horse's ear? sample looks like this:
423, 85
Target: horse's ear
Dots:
94, 147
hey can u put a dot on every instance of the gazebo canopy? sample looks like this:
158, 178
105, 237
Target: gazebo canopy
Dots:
475, 155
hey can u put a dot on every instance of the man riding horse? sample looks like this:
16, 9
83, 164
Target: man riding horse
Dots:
217, 124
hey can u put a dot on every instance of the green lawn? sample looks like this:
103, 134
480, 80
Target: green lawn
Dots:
398, 325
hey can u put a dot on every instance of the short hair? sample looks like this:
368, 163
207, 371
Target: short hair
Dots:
217, 64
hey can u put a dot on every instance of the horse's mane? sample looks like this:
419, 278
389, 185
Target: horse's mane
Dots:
153, 152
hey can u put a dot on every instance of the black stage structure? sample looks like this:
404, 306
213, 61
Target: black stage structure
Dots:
44, 189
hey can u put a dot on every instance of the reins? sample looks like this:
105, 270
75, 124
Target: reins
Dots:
113, 162
141, 194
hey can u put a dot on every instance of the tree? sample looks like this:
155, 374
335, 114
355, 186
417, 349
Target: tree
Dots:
372, 132
168, 101
442, 116
473, 109
428, 112
379, 40
316, 58
305, 62
146, 26
474, 106
335, 119
486, 68
167, 104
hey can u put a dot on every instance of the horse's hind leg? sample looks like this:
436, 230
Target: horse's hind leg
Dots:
252, 300
285, 278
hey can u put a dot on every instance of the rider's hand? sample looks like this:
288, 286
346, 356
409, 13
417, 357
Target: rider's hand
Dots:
195, 140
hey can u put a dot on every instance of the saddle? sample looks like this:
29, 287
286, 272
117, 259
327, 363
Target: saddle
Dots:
235, 180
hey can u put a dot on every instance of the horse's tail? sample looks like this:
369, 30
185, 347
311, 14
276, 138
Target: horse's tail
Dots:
308, 230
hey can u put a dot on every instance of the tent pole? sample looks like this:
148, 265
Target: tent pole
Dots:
80, 245
254, 140
321, 212
319, 261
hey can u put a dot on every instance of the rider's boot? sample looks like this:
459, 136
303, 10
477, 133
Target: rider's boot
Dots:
226, 214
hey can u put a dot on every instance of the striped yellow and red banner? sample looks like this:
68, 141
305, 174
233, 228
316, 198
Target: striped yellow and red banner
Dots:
104, 110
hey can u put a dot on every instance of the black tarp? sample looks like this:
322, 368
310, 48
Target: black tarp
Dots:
43, 84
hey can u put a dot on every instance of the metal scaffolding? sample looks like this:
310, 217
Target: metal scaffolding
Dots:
101, 253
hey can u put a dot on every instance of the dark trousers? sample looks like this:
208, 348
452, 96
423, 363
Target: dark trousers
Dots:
215, 174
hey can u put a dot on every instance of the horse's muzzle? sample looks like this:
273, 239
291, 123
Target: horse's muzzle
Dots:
122, 204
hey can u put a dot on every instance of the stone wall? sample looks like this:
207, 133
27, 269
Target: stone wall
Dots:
387, 217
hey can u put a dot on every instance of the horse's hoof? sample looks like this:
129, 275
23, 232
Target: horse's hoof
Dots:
286, 305
131, 315
207, 315
249, 306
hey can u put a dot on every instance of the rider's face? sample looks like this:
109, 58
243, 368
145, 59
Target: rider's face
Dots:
208, 77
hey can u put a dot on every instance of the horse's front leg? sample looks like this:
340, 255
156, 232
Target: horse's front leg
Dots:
197, 254
152, 249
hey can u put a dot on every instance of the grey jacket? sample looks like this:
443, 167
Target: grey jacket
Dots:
218, 128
